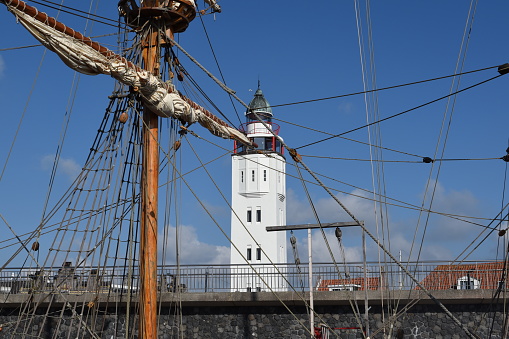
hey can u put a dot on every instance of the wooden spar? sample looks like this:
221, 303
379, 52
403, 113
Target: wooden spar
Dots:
149, 194
60, 27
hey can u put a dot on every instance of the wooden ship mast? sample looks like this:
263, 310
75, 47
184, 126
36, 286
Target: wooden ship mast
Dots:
175, 17
156, 21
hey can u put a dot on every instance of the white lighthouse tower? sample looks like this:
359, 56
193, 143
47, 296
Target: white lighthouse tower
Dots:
258, 200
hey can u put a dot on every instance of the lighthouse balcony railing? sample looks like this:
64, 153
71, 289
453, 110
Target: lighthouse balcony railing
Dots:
256, 127
257, 277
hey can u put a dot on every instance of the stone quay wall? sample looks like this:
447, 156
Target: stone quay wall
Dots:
260, 315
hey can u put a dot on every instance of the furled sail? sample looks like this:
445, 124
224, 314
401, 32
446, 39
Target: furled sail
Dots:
85, 56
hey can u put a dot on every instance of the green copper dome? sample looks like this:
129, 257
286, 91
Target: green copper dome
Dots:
259, 103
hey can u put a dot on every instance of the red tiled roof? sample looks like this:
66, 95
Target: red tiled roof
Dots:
373, 283
445, 277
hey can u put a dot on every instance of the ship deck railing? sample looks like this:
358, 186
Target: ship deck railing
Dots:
434, 275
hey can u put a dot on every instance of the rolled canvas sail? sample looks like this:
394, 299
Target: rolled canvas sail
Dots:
87, 57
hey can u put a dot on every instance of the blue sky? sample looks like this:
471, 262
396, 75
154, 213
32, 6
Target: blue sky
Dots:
299, 52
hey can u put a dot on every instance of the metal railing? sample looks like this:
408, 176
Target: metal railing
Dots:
229, 278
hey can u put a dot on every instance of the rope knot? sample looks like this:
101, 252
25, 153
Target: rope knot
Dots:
295, 156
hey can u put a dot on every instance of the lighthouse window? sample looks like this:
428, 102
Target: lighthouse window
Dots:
278, 147
248, 255
269, 144
258, 253
258, 214
252, 175
264, 175
241, 176
260, 142
249, 215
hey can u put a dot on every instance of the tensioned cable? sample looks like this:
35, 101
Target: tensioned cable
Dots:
345, 138
460, 62
459, 65
92, 251
502, 281
491, 230
294, 154
63, 134
218, 67
401, 113
344, 208
374, 138
60, 6
21, 119
228, 90
410, 206
247, 230
353, 304
229, 239
203, 93
401, 161
424, 159
41, 45
114, 24
206, 97
459, 262
381, 89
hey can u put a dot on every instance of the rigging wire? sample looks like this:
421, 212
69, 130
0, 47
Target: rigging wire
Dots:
345, 138
218, 67
353, 301
505, 254
239, 100
401, 113
221, 85
447, 117
87, 16
377, 169
296, 157
21, 119
408, 205
59, 6
424, 161
295, 154
205, 96
236, 248
384, 88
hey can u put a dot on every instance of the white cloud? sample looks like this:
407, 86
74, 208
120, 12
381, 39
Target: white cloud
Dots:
299, 211
67, 166
445, 237
191, 249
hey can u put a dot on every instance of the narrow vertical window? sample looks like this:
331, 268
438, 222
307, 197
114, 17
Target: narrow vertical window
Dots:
258, 214
264, 175
258, 253
241, 176
248, 255
252, 175
249, 216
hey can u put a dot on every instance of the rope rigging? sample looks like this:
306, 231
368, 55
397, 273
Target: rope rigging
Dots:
105, 199
403, 112
79, 13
